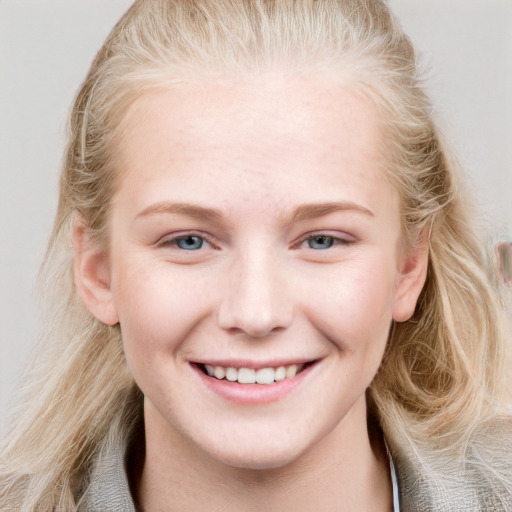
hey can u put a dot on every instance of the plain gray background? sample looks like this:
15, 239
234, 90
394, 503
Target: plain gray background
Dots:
46, 47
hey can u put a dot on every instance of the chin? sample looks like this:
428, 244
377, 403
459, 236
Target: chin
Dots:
259, 457
258, 462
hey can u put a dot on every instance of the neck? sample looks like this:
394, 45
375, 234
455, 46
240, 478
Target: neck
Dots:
343, 472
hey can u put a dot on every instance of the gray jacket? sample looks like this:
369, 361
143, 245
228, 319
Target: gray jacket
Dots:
107, 488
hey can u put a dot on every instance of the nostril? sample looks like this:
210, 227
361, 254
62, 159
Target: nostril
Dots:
257, 329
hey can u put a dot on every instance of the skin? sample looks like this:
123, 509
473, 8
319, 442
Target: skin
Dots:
259, 153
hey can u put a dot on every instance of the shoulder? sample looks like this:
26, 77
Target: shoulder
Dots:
106, 486
480, 481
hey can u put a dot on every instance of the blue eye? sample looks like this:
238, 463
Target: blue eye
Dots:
320, 242
189, 242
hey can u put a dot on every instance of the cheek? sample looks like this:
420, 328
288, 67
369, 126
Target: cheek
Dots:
354, 307
157, 309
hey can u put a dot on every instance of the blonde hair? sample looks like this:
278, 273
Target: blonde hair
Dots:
443, 378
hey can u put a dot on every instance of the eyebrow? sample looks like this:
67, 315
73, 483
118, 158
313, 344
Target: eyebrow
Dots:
314, 210
190, 210
302, 212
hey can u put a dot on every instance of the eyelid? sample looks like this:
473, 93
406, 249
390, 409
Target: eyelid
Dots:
343, 238
171, 238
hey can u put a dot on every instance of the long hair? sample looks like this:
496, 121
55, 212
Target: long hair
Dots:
443, 379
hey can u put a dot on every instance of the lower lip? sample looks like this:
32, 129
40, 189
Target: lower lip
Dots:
253, 394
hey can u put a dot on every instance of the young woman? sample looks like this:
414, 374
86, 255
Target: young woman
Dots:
264, 288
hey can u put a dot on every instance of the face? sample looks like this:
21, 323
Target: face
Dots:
254, 236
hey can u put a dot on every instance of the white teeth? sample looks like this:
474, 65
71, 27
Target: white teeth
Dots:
246, 376
219, 372
251, 376
291, 371
280, 373
265, 376
231, 374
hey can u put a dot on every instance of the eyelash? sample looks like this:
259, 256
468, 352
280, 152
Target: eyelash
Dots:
173, 240
336, 241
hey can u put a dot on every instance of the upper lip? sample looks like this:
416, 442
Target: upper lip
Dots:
246, 363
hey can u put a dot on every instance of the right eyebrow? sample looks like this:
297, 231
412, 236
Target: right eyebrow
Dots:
190, 210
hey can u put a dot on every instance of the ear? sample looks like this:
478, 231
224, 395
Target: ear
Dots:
92, 275
412, 273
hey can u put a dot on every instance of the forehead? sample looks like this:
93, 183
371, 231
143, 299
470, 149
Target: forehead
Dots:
317, 106
273, 131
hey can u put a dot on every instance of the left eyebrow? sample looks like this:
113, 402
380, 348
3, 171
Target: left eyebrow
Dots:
313, 210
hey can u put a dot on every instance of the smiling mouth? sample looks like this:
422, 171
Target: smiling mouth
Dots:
243, 375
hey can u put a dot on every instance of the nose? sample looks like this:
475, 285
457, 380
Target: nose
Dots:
255, 300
